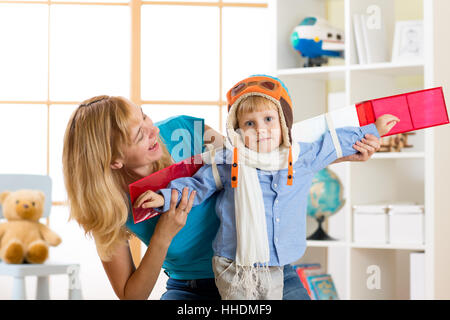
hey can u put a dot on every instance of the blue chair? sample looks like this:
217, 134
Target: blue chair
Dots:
13, 182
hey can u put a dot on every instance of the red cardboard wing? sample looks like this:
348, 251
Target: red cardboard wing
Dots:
159, 180
416, 110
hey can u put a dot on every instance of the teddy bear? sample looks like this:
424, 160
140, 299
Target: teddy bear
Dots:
22, 236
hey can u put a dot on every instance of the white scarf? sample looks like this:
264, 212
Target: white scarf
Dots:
251, 230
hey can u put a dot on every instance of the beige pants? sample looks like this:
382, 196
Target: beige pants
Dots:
269, 288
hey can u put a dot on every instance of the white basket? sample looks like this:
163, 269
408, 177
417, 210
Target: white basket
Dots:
370, 224
406, 224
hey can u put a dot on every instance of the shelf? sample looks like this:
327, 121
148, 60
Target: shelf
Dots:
338, 72
338, 243
317, 73
391, 68
418, 247
325, 244
399, 155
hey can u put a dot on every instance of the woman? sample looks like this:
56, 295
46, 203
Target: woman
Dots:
110, 143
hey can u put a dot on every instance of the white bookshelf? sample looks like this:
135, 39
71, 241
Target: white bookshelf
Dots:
398, 176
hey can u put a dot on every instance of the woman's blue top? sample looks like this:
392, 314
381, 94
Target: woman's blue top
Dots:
190, 252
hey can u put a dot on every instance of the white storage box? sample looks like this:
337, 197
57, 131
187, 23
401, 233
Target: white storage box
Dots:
370, 224
406, 224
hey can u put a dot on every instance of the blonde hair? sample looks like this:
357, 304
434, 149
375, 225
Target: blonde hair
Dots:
95, 136
254, 104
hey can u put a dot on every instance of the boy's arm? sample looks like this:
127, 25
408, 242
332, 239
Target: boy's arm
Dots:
202, 182
322, 152
365, 149
367, 146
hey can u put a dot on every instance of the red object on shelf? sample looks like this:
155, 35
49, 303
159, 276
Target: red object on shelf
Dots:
159, 180
416, 110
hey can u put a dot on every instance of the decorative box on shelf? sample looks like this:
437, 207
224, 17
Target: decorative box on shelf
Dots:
370, 223
406, 224
393, 223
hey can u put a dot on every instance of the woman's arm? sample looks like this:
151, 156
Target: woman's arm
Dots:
129, 282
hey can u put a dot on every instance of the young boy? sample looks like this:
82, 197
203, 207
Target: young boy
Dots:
264, 180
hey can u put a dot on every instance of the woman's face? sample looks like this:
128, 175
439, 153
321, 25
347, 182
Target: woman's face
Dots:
144, 148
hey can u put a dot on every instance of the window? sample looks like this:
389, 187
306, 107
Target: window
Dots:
56, 54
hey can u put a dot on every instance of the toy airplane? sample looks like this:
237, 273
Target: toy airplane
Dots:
416, 110
316, 40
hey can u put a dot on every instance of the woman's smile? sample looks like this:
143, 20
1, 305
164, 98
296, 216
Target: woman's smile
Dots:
154, 146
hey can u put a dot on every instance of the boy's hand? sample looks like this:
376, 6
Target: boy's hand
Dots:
385, 123
149, 199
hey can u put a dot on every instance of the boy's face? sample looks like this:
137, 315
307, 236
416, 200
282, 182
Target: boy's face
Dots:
261, 130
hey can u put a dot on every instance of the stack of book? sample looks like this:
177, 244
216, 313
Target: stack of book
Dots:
320, 285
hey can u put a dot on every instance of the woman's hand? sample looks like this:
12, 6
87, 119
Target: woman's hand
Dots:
366, 148
173, 220
130, 282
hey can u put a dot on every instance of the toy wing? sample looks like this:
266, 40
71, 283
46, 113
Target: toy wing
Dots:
159, 180
416, 110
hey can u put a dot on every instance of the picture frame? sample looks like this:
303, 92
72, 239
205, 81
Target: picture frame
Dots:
408, 41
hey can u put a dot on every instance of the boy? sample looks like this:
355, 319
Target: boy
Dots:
264, 181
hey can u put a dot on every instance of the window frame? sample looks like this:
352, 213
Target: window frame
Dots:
135, 57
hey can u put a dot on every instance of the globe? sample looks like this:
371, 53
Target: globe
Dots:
325, 199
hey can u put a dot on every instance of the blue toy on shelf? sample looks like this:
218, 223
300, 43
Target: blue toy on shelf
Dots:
316, 40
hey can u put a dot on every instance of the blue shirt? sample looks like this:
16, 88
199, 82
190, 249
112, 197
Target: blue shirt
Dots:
190, 252
285, 206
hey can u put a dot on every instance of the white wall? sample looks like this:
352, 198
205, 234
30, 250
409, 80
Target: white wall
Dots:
441, 53
77, 248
